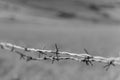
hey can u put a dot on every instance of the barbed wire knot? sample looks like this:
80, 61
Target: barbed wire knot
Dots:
109, 63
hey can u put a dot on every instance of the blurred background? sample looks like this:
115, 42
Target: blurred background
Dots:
72, 24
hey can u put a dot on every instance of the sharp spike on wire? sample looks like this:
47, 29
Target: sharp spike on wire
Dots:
12, 48
110, 63
53, 59
57, 49
22, 56
57, 52
86, 51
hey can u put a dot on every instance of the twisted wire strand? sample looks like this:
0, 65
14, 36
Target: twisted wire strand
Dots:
83, 57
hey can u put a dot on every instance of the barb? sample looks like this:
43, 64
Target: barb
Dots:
86, 50
12, 49
83, 57
109, 63
88, 59
22, 56
56, 57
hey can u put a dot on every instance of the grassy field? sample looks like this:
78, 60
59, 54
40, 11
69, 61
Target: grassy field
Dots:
71, 35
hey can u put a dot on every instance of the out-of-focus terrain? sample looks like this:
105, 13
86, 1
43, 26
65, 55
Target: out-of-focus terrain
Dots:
38, 26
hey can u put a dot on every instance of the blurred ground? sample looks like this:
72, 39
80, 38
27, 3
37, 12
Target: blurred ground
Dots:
23, 26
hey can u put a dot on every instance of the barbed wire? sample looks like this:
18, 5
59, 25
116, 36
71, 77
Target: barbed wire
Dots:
44, 55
